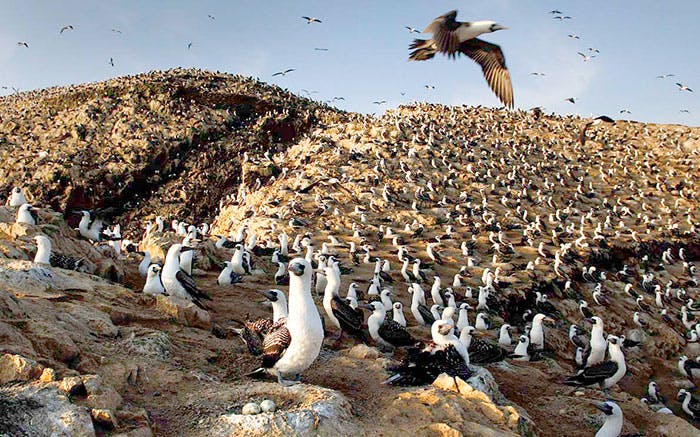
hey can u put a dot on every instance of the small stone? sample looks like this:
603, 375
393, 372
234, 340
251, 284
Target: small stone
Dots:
48, 375
104, 418
251, 408
72, 385
268, 406
18, 368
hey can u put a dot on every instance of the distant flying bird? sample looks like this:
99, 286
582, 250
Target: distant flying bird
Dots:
211, 16
570, 99
685, 111
189, 46
283, 73
664, 76
566, 17
535, 73
310, 20
593, 50
111, 62
625, 111
571, 35
412, 29
430, 87
320, 49
586, 58
379, 102
64, 28
682, 87
116, 31
22, 43
452, 37
308, 93
556, 12
338, 98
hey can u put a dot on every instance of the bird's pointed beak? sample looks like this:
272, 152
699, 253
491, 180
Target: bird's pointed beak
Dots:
500, 27
445, 329
270, 295
605, 408
548, 319
297, 268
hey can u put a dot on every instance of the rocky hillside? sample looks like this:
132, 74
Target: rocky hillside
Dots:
146, 143
517, 189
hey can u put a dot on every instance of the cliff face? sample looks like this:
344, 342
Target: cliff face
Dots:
209, 147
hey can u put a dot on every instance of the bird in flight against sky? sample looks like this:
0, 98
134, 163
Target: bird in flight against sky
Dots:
556, 12
412, 29
22, 43
320, 49
64, 28
111, 62
310, 20
535, 73
574, 36
570, 99
189, 45
379, 102
452, 37
211, 17
664, 76
586, 58
682, 87
283, 73
117, 31
625, 111
685, 111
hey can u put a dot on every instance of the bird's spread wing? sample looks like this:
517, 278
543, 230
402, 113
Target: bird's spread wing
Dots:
493, 65
443, 29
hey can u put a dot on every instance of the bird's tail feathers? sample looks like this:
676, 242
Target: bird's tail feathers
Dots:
258, 373
422, 50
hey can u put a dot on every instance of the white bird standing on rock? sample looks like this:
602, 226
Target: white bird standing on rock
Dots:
291, 350
17, 197
176, 281
27, 214
154, 284
43, 250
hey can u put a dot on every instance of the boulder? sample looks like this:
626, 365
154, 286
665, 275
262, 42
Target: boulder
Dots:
18, 368
184, 311
41, 410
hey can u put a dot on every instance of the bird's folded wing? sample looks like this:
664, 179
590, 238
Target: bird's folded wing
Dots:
493, 65
395, 334
426, 314
601, 370
275, 344
346, 314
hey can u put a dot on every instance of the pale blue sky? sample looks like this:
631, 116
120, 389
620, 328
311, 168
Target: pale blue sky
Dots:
368, 47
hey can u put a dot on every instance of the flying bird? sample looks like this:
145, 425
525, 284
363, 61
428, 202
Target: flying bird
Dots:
565, 17
22, 43
586, 58
310, 20
556, 12
64, 28
379, 102
570, 99
593, 49
283, 73
571, 35
664, 76
116, 31
535, 73
211, 16
412, 29
189, 46
111, 62
682, 87
625, 111
685, 111
452, 37
320, 49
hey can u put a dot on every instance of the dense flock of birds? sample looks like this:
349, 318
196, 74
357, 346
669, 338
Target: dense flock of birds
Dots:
481, 239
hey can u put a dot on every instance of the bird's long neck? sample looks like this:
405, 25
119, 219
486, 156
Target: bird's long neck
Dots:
279, 310
43, 253
611, 427
301, 304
